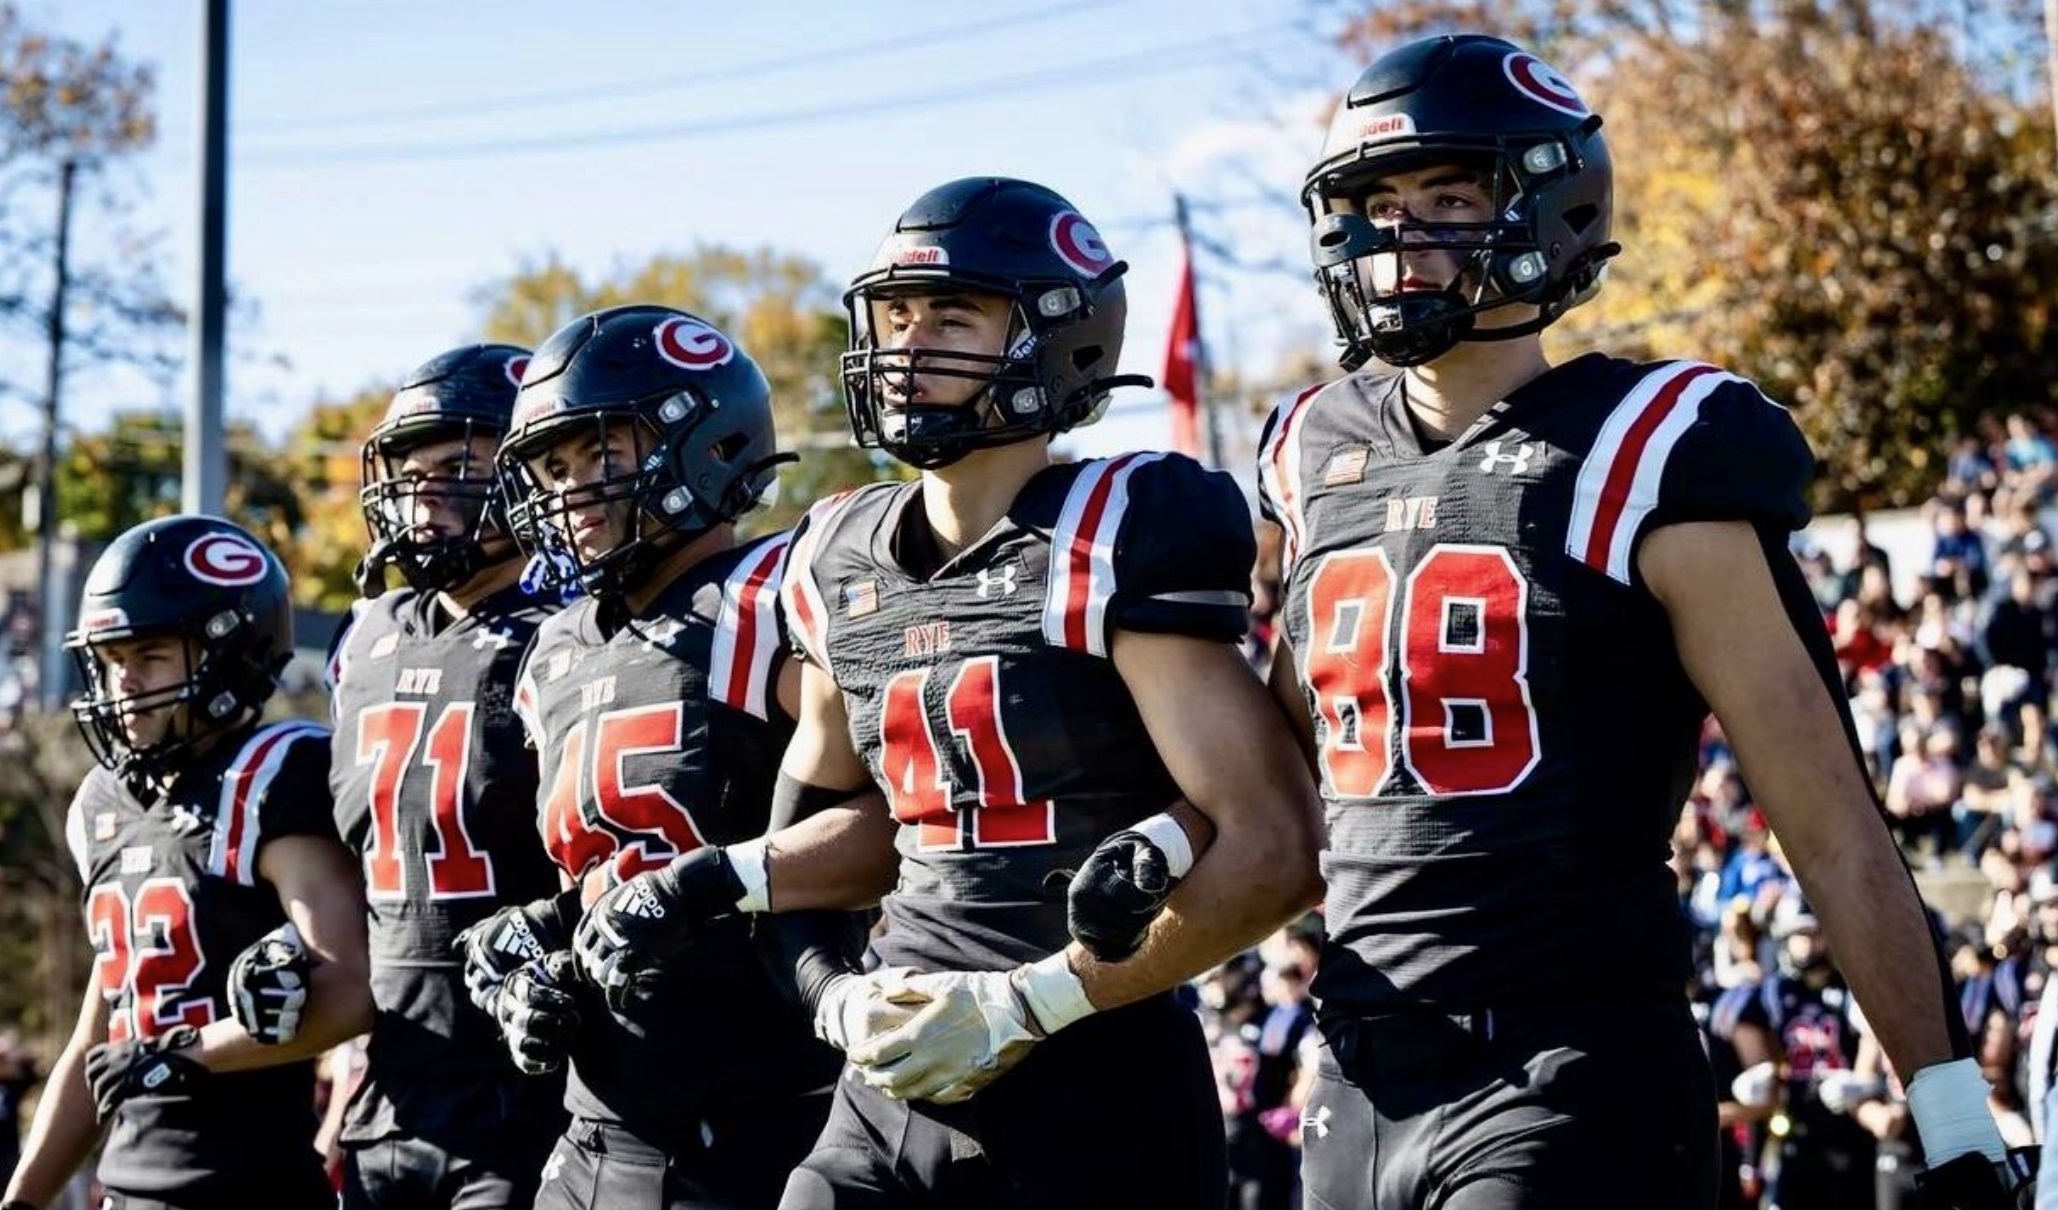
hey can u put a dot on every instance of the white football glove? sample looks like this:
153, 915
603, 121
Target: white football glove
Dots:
1756, 1086
1843, 1091
854, 1009
976, 1027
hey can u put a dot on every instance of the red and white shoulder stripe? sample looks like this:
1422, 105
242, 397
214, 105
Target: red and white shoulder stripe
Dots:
747, 633
1618, 485
1082, 554
807, 614
1279, 472
249, 777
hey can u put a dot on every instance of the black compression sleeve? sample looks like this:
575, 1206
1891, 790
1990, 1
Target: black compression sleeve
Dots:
810, 949
794, 800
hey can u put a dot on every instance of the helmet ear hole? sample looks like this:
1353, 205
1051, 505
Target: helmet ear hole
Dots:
1579, 218
726, 449
1087, 356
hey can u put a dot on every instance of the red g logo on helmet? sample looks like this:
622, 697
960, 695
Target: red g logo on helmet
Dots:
229, 560
1079, 245
514, 368
1540, 82
691, 344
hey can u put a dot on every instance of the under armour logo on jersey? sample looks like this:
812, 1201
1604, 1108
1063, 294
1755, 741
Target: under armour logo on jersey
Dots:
1002, 578
1318, 1121
554, 1166
499, 640
660, 633
1517, 462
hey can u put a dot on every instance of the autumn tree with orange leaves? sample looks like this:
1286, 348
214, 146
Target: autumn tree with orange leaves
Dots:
1850, 201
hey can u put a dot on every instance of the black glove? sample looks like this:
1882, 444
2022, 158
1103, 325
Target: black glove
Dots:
268, 986
1111, 901
510, 939
120, 1070
1974, 1182
538, 1013
649, 918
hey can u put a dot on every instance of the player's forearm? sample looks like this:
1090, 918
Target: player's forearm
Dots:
62, 1135
339, 1007
1794, 752
1260, 873
1880, 937
840, 858
1743, 623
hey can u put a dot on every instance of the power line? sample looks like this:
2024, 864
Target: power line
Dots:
1110, 69
773, 65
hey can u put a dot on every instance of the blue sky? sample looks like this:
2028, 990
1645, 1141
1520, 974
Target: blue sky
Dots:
391, 157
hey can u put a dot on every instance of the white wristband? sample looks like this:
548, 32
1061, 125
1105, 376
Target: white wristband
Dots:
1948, 1102
1164, 831
748, 860
1052, 989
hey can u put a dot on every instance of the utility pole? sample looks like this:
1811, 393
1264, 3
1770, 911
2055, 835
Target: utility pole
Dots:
204, 486
1204, 398
50, 669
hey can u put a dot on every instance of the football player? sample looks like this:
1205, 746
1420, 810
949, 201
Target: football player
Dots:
659, 702
1030, 659
200, 833
435, 789
1796, 1040
1513, 592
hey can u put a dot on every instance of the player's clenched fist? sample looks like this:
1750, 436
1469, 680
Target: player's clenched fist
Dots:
650, 917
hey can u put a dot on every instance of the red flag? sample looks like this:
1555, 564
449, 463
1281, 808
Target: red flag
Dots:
1181, 379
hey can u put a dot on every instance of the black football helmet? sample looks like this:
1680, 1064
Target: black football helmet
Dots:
1463, 99
465, 392
199, 578
701, 409
994, 236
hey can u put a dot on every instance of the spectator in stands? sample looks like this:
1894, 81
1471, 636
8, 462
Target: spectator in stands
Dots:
1860, 647
2021, 537
1971, 468
2029, 460
1876, 721
1928, 713
1263, 1166
1983, 803
1752, 867
1922, 791
2016, 633
1739, 952
1864, 553
1943, 627
2036, 749
1956, 545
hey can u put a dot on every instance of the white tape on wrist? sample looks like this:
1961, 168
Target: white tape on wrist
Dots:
1164, 831
1053, 992
748, 860
1948, 1102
